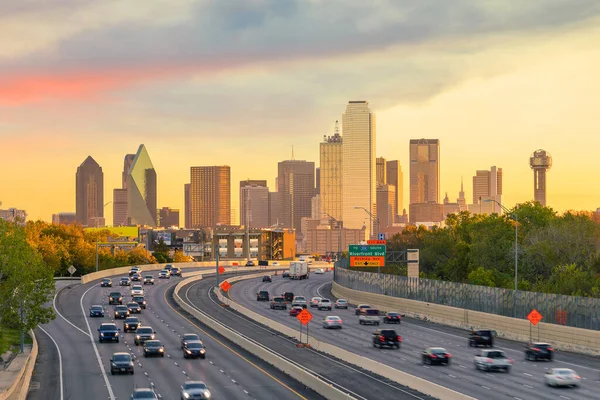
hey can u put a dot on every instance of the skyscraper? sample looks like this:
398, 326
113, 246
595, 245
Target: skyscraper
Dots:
120, 195
487, 185
330, 182
424, 171
141, 190
253, 182
380, 171
394, 176
89, 201
386, 209
254, 206
318, 181
359, 180
540, 162
168, 217
187, 205
210, 196
296, 180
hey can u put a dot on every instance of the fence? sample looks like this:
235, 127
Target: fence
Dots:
580, 312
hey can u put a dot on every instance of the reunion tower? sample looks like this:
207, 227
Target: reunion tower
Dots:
540, 161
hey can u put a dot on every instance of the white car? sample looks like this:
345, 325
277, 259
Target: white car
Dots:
314, 302
137, 290
341, 303
164, 274
324, 304
332, 321
299, 301
488, 360
561, 377
319, 271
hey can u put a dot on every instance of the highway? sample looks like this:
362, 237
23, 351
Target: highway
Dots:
525, 381
229, 371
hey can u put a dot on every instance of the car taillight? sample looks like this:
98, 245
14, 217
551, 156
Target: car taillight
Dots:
550, 349
448, 355
433, 356
576, 377
511, 361
381, 338
489, 360
399, 338
340, 321
535, 349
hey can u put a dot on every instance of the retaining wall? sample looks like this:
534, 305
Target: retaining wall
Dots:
14, 381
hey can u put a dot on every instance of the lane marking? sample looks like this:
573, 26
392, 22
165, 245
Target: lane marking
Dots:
62, 316
60, 363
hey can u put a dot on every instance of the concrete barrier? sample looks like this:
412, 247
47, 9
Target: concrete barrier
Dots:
562, 337
301, 375
16, 378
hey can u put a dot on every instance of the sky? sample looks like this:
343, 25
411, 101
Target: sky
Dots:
239, 82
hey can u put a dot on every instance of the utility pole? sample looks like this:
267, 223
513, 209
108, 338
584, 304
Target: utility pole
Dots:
247, 223
217, 259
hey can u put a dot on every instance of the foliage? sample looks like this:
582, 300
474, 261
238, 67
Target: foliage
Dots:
162, 252
179, 257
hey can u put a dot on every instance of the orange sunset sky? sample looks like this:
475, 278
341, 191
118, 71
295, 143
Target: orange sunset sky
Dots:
239, 82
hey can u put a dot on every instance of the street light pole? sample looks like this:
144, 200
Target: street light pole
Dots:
339, 257
376, 220
22, 330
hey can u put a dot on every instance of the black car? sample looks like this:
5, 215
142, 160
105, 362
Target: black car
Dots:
194, 349
121, 363
106, 282
136, 277
286, 274
168, 267
481, 337
96, 311
539, 351
176, 271
141, 300
121, 312
154, 348
124, 282
133, 271
288, 296
189, 337
131, 324
386, 338
262, 295
108, 331
134, 308
267, 278
392, 318
115, 298
436, 355
145, 394
142, 334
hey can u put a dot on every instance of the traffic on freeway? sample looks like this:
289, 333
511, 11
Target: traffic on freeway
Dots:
510, 371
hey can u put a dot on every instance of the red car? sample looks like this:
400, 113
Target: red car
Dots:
295, 311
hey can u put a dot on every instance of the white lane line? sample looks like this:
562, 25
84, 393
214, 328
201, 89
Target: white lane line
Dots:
62, 316
106, 382
528, 386
526, 374
60, 364
485, 387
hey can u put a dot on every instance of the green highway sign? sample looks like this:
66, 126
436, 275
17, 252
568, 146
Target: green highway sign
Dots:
367, 250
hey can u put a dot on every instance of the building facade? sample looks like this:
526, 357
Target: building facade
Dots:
424, 171
325, 239
142, 190
168, 217
395, 177
14, 215
210, 196
386, 205
187, 205
540, 162
254, 206
296, 180
89, 203
380, 171
487, 185
331, 167
358, 175
64, 218
120, 216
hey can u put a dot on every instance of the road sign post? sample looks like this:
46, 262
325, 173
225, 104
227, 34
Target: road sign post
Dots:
304, 317
534, 317
225, 286
71, 270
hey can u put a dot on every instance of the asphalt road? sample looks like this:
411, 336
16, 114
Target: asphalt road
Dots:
230, 372
525, 381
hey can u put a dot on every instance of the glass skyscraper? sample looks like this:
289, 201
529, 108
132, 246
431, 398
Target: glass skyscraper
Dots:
141, 190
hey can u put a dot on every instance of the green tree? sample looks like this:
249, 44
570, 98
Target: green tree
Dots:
481, 277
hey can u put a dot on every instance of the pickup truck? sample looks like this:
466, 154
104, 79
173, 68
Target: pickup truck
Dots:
489, 360
368, 316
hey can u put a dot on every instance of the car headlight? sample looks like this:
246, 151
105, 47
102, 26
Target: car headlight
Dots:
114, 365
101, 334
152, 336
131, 364
137, 337
161, 350
186, 395
207, 394
202, 351
189, 352
120, 298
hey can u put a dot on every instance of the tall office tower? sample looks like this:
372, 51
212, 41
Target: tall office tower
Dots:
330, 182
187, 205
210, 196
315, 207
253, 182
274, 210
318, 181
359, 180
89, 201
540, 161
141, 190
243, 184
380, 171
168, 217
296, 180
395, 177
386, 208
120, 195
254, 206
487, 185
424, 171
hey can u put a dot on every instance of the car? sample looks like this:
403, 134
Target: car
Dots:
96, 311
285, 274
168, 267
124, 282
141, 300
176, 271
189, 337
386, 338
481, 337
319, 271
154, 347
299, 301
561, 377
143, 393
122, 312
275, 264
539, 351
314, 302
341, 303
115, 298
193, 349
392, 317
250, 263
267, 278
369, 316
331, 322
164, 274
360, 307
436, 355
278, 302
133, 271
137, 290
490, 360
142, 334
134, 308
324, 304
288, 296
295, 310
108, 331
136, 277
194, 390
121, 363
262, 295
131, 324
106, 282
148, 280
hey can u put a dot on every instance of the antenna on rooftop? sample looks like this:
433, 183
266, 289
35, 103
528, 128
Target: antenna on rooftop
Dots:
293, 152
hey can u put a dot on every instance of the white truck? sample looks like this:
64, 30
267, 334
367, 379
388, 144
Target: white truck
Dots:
298, 270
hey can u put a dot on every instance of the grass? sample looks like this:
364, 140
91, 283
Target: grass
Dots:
10, 338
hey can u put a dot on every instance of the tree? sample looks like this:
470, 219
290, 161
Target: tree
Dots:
179, 257
139, 255
481, 277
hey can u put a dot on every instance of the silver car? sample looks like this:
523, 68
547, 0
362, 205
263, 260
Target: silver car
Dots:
341, 303
561, 377
193, 390
314, 302
324, 304
331, 322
